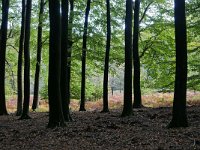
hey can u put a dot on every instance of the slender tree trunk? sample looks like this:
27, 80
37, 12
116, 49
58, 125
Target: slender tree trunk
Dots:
39, 49
106, 66
179, 118
56, 117
25, 112
69, 51
136, 59
127, 109
3, 40
82, 105
20, 58
64, 46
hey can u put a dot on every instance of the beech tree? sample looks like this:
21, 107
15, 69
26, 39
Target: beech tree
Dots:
39, 49
56, 117
84, 49
69, 49
20, 57
127, 109
3, 39
25, 112
106, 65
179, 116
136, 59
64, 52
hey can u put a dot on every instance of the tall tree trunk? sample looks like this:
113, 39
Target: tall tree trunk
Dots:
64, 46
82, 105
25, 112
20, 57
56, 117
3, 40
69, 49
179, 118
39, 49
127, 109
106, 66
136, 59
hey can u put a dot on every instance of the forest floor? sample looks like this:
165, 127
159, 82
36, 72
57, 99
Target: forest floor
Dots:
145, 129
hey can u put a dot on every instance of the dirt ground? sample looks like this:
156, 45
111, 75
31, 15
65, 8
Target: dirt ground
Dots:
146, 129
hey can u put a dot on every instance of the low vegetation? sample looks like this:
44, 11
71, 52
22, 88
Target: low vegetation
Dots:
151, 100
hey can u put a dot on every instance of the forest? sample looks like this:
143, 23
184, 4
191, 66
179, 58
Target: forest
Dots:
100, 74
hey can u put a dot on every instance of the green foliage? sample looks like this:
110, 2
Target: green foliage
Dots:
44, 92
156, 46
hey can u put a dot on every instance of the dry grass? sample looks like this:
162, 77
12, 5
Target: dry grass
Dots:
153, 100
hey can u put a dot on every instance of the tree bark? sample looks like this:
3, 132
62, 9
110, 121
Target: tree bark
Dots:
56, 117
25, 112
127, 109
39, 49
179, 115
69, 51
136, 59
64, 46
20, 58
106, 66
82, 105
3, 40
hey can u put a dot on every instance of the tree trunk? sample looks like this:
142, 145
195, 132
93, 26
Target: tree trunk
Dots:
179, 118
25, 112
39, 49
56, 117
3, 40
136, 59
106, 66
69, 51
64, 46
127, 109
20, 57
82, 105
